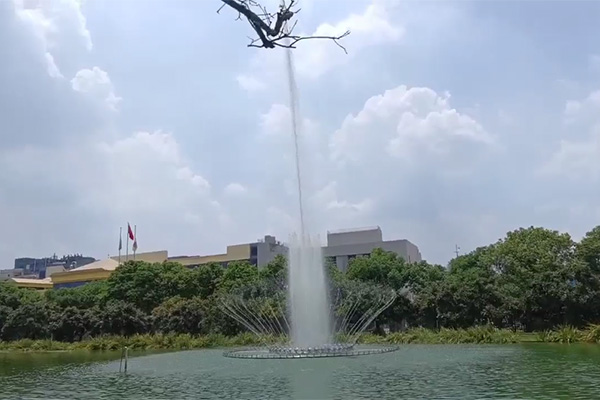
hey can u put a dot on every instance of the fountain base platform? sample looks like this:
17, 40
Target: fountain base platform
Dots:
328, 350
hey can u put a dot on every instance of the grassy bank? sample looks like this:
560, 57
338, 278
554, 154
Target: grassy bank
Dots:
475, 335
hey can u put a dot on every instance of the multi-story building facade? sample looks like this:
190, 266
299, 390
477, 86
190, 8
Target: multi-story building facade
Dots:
344, 245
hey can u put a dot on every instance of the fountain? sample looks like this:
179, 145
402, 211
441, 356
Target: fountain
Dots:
316, 320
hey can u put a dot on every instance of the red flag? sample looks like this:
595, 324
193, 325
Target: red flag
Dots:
130, 232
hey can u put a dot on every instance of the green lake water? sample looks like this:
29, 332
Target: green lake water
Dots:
534, 371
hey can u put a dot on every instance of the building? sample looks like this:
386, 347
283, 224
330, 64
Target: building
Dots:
344, 245
6, 274
32, 283
38, 266
100, 270
259, 253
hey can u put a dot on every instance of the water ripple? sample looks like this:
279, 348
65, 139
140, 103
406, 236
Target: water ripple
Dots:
415, 372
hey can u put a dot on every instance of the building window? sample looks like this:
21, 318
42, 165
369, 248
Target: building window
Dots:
253, 254
69, 285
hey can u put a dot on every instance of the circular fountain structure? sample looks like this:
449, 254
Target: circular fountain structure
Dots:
304, 316
342, 350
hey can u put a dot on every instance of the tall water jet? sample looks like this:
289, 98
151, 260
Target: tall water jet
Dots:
305, 311
308, 294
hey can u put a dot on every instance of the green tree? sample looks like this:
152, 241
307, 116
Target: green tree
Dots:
207, 279
69, 324
276, 269
147, 285
536, 269
387, 269
588, 249
180, 315
238, 274
117, 318
4, 313
83, 297
13, 297
375, 268
28, 321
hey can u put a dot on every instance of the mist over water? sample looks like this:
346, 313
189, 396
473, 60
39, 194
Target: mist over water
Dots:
308, 288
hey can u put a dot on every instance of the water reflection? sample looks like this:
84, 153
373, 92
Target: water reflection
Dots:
312, 379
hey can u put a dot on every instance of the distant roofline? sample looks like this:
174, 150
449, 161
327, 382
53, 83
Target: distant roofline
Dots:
348, 230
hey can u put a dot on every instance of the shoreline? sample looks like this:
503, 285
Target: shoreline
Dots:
175, 342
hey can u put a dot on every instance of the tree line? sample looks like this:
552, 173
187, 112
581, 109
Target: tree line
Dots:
533, 279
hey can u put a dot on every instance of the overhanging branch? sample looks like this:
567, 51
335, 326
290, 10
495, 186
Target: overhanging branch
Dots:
279, 34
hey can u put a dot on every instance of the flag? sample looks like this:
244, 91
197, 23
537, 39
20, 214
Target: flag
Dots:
130, 232
120, 240
135, 239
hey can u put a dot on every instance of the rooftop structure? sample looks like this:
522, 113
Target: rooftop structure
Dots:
345, 244
32, 283
258, 253
100, 270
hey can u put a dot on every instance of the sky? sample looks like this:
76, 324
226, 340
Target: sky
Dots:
447, 123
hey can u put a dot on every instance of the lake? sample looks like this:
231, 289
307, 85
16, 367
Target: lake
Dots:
533, 371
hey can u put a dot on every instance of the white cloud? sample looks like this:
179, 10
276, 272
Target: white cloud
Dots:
96, 82
594, 62
250, 83
411, 159
408, 124
46, 20
235, 189
51, 66
381, 164
372, 27
578, 157
328, 197
376, 24
143, 178
583, 110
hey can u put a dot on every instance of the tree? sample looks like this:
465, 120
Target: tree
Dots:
83, 297
588, 249
238, 274
387, 269
276, 269
178, 315
273, 29
12, 296
69, 324
4, 313
207, 279
117, 318
375, 268
28, 321
536, 269
148, 285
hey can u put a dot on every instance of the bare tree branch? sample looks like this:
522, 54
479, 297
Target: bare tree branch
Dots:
279, 34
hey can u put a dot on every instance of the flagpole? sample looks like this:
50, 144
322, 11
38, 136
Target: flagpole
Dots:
120, 242
134, 240
127, 245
